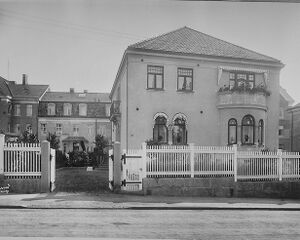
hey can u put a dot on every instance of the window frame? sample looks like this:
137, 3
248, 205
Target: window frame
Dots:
75, 133
29, 110
228, 131
67, 106
17, 110
185, 133
51, 107
253, 130
158, 125
155, 78
185, 76
236, 79
80, 107
29, 128
44, 128
58, 130
260, 132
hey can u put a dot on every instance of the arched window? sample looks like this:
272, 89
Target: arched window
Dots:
160, 130
260, 132
248, 130
232, 131
179, 132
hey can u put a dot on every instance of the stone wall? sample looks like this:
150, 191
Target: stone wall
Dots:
220, 187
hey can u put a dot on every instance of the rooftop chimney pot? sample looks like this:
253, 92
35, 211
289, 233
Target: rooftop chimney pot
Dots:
71, 90
24, 79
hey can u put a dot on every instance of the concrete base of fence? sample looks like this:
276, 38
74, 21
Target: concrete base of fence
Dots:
219, 187
23, 185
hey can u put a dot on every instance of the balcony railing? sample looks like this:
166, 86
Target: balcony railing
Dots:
115, 108
228, 99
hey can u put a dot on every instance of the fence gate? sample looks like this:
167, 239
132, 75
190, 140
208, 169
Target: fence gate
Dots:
132, 171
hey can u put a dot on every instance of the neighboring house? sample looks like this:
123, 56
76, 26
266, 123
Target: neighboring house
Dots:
294, 117
75, 118
19, 106
187, 87
285, 119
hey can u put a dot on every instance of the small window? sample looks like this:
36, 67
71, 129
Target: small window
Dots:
184, 79
43, 128
29, 128
29, 110
75, 130
160, 130
260, 136
67, 109
280, 130
58, 129
17, 110
179, 132
82, 109
51, 109
17, 128
232, 131
155, 77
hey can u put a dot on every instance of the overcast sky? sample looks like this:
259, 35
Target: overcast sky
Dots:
80, 43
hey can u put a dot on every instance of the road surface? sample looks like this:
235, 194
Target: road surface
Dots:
150, 224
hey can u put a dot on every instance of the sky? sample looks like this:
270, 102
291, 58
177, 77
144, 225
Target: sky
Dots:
79, 43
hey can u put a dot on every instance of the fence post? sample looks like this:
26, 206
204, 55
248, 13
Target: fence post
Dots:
117, 164
2, 142
279, 153
234, 147
192, 154
144, 160
45, 166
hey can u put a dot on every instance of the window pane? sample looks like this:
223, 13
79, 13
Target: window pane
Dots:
247, 135
231, 76
231, 84
232, 134
180, 83
178, 135
189, 83
241, 76
155, 133
251, 77
159, 81
155, 69
151, 83
162, 134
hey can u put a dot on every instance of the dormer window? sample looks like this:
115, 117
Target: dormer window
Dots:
67, 109
51, 109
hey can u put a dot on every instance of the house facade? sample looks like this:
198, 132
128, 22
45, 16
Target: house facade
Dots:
75, 118
293, 117
19, 106
285, 120
188, 87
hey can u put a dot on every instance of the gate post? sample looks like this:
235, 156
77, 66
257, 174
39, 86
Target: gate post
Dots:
117, 167
144, 161
2, 141
45, 166
235, 158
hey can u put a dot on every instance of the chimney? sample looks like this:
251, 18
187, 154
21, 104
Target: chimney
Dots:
85, 91
71, 90
24, 79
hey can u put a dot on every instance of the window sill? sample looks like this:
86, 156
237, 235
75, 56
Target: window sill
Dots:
156, 89
185, 91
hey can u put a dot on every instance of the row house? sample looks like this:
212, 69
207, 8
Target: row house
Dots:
187, 87
19, 106
74, 117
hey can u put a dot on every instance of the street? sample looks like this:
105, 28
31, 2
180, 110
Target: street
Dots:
146, 224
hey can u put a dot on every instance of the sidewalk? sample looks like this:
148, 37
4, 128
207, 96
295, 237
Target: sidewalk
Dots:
124, 201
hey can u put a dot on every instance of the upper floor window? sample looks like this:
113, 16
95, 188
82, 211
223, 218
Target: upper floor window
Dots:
248, 126
155, 77
29, 110
237, 79
160, 130
232, 131
67, 109
58, 128
82, 109
43, 128
17, 110
51, 108
184, 79
179, 132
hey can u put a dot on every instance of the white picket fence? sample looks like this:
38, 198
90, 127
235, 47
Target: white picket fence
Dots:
204, 161
22, 160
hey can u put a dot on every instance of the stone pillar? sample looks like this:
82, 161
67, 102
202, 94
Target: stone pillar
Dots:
2, 141
117, 167
45, 166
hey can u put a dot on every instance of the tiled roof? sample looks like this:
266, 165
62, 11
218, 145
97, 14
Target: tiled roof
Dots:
75, 97
28, 90
189, 41
4, 90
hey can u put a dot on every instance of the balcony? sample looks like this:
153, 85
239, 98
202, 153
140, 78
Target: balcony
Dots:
253, 98
115, 109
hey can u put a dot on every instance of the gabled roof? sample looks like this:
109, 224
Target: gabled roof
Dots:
75, 97
189, 41
27, 90
4, 89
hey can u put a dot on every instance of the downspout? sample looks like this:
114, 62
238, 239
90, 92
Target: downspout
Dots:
292, 134
127, 103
